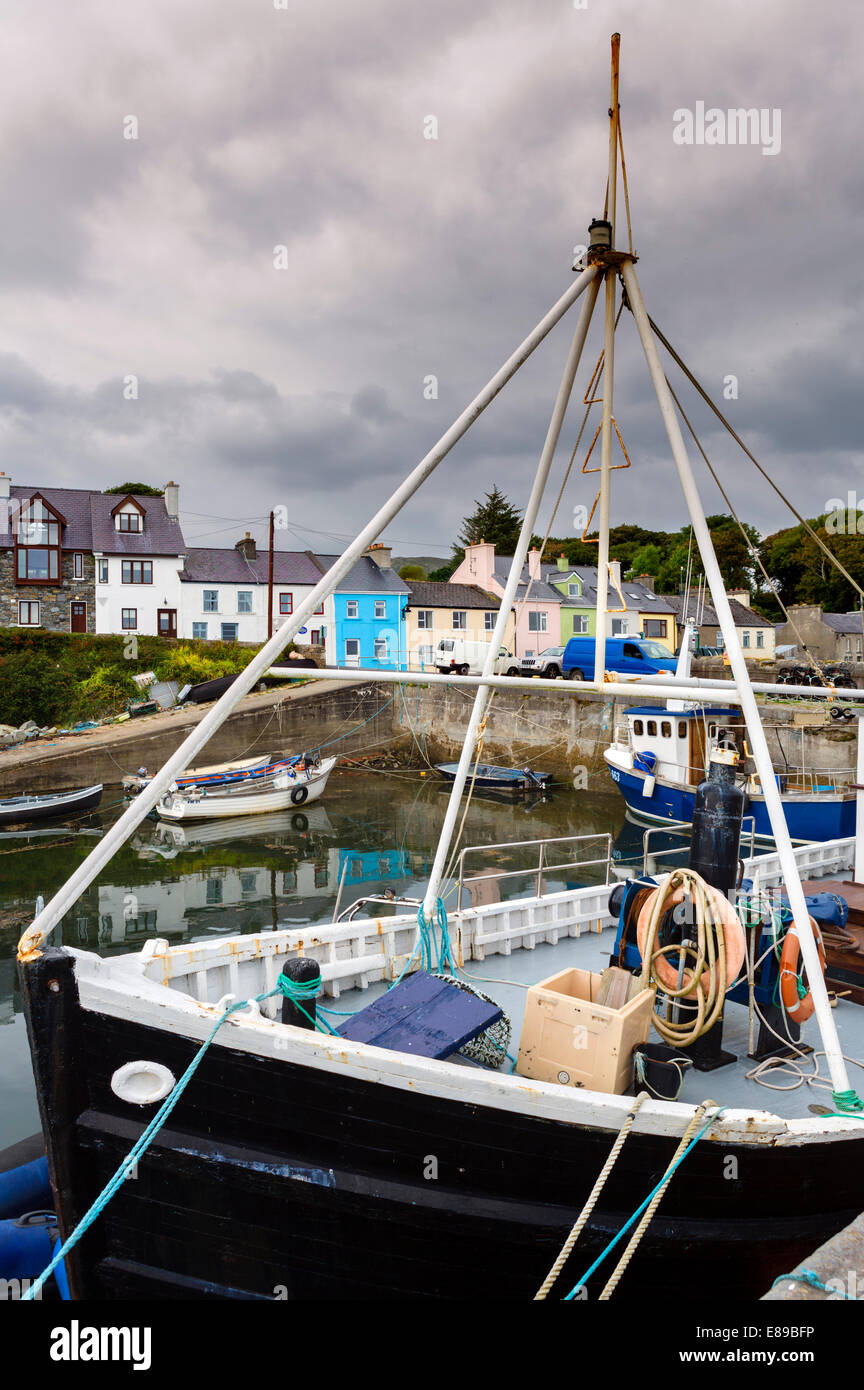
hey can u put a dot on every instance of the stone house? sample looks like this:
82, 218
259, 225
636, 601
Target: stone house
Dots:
829, 636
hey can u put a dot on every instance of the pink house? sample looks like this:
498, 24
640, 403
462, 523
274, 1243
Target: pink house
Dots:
537, 606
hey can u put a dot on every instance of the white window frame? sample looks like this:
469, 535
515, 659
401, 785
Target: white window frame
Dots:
380, 608
352, 603
619, 627
580, 624
352, 658
574, 589
538, 621
460, 619
425, 619
103, 571
378, 643
489, 620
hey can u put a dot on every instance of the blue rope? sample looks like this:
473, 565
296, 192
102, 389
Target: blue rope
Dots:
807, 1276
639, 1210
140, 1147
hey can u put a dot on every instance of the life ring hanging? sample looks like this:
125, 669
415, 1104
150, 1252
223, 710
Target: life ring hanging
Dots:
798, 1008
299, 795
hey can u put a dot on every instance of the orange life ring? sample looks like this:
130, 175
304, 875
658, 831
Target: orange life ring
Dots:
799, 1010
733, 934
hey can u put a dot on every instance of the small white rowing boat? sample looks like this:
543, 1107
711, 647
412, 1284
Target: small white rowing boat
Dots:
292, 788
218, 772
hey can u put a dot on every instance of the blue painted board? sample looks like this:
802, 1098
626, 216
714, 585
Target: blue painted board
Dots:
422, 1015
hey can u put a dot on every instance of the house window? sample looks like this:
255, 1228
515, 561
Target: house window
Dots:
380, 608
137, 572
760, 639
199, 632
129, 521
352, 608
78, 566
229, 632
244, 601
211, 601
37, 544
460, 619
424, 618
352, 652
286, 603
129, 619
28, 613
382, 650
655, 627
619, 627
580, 623
318, 612
536, 622
745, 638
489, 621
103, 571
574, 590
315, 637
425, 655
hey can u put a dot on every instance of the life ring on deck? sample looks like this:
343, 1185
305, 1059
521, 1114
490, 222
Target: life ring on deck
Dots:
798, 1009
299, 795
733, 934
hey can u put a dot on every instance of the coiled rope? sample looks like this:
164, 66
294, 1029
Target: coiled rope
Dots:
709, 953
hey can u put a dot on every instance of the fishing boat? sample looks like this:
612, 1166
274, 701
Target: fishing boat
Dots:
293, 786
45, 805
502, 778
661, 756
219, 774
303, 1159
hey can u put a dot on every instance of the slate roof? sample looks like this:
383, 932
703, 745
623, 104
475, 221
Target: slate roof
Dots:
366, 577
637, 597
742, 616
843, 622
432, 594
90, 526
220, 565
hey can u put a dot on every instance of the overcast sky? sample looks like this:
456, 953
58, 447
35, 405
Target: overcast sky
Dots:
407, 257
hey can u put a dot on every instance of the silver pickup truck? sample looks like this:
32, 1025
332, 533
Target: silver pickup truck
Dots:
547, 664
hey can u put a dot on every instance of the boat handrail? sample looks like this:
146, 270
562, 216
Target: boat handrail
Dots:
542, 864
684, 829
348, 913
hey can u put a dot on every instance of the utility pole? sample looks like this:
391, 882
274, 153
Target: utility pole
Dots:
270, 580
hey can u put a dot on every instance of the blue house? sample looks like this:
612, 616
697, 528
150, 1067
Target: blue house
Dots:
369, 616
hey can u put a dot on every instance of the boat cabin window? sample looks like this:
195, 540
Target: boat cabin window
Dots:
637, 726
666, 729
652, 728
682, 728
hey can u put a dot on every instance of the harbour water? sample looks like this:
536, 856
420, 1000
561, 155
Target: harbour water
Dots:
374, 832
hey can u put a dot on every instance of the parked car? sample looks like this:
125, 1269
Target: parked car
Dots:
547, 664
626, 655
462, 657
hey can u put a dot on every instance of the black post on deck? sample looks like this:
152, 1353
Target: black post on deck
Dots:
302, 970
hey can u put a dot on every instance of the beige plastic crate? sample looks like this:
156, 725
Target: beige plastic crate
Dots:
568, 1038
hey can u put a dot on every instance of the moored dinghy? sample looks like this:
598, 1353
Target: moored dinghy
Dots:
44, 805
293, 786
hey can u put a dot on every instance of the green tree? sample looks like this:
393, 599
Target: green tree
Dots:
137, 489
412, 572
495, 520
647, 560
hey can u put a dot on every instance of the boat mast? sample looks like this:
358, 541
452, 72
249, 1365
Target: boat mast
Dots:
608, 375
481, 699
741, 678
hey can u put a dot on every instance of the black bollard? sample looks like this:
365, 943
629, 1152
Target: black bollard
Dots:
302, 970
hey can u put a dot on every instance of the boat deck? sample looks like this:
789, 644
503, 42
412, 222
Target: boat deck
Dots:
505, 979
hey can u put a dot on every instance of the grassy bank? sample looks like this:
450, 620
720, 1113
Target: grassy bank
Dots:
56, 678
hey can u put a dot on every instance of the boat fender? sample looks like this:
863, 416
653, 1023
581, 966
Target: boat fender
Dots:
300, 823
798, 1008
27, 1245
142, 1083
299, 795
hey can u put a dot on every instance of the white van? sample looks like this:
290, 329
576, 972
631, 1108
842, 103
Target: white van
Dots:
462, 658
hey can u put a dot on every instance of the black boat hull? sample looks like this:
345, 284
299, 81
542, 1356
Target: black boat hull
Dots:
25, 815
275, 1180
